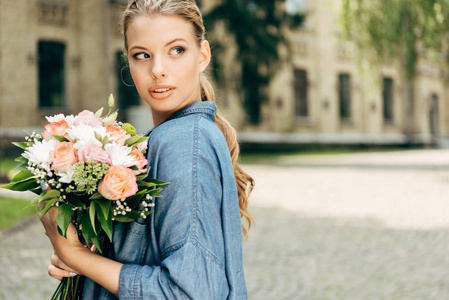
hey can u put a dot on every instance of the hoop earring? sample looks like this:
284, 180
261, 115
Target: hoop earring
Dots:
121, 77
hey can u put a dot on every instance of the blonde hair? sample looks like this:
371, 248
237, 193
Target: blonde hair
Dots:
188, 10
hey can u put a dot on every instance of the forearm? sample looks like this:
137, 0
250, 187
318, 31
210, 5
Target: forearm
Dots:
104, 271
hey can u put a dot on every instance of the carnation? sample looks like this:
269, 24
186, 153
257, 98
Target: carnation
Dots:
66, 176
85, 134
39, 153
55, 118
120, 155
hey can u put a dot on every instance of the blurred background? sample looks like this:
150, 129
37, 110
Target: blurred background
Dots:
341, 108
348, 72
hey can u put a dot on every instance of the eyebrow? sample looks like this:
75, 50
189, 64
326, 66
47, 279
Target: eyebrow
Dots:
169, 43
176, 40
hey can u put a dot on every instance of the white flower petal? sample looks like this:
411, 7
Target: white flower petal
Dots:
66, 176
120, 155
85, 134
55, 118
39, 153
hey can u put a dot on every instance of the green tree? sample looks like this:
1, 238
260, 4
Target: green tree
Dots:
257, 26
398, 29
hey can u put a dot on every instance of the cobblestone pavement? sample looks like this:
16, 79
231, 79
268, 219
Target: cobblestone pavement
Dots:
372, 226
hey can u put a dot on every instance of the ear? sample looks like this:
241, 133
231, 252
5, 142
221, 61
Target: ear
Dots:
205, 56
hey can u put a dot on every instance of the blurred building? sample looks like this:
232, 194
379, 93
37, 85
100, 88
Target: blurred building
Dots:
63, 56
327, 95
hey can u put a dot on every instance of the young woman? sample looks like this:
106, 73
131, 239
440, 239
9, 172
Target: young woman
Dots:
191, 246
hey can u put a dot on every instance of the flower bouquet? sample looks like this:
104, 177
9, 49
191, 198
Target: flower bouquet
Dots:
93, 170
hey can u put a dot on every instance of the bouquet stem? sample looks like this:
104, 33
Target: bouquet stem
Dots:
70, 288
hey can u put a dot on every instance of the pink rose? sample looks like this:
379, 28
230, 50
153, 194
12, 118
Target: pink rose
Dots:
94, 152
88, 118
141, 160
118, 183
63, 155
55, 128
117, 134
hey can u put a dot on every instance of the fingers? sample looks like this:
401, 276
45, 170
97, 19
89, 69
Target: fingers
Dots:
55, 261
58, 273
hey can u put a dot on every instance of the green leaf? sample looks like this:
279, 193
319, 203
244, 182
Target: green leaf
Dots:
96, 240
92, 216
22, 175
21, 159
36, 190
47, 207
145, 184
135, 140
147, 213
135, 200
60, 138
49, 195
23, 145
123, 219
155, 192
76, 202
97, 136
105, 206
34, 201
19, 168
25, 185
63, 218
142, 176
86, 230
96, 196
105, 140
156, 181
106, 223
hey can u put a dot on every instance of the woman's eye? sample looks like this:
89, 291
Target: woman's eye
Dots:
140, 56
177, 51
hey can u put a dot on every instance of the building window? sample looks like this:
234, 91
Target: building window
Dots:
126, 91
51, 64
301, 99
434, 119
344, 91
388, 99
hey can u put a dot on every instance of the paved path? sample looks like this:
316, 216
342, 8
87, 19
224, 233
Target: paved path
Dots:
344, 227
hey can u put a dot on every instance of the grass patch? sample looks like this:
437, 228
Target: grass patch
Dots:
13, 210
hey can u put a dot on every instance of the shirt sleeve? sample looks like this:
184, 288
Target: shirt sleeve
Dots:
187, 223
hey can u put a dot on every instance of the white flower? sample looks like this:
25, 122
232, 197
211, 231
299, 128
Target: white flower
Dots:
55, 118
59, 117
66, 177
85, 134
39, 153
120, 155
70, 119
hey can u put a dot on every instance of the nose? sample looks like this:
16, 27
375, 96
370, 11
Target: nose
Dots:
158, 69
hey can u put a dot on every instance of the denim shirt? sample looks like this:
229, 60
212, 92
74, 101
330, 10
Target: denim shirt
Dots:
191, 246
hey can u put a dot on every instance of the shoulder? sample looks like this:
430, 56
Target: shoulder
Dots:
185, 134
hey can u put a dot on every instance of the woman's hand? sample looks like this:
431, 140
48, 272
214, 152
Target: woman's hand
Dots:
72, 256
64, 248
58, 269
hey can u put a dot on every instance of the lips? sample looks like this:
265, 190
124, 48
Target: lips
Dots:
160, 91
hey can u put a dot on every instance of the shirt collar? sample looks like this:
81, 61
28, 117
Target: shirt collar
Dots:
208, 108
